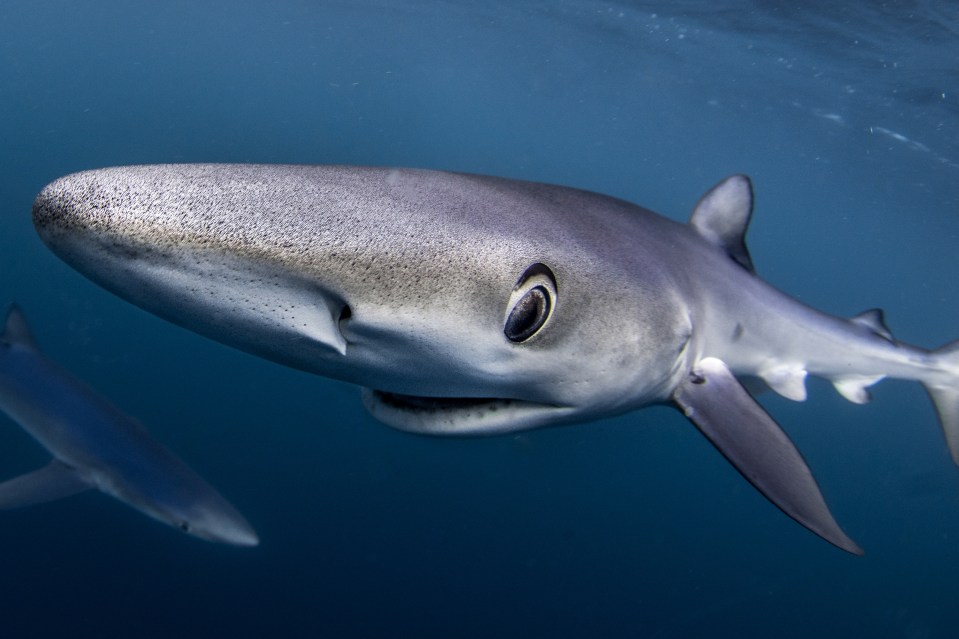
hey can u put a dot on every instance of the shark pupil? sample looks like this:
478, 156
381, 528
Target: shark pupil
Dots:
528, 316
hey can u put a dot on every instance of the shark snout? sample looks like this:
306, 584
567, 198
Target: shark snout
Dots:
74, 202
232, 529
78, 215
169, 239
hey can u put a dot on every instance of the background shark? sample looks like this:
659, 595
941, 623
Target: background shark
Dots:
94, 445
468, 305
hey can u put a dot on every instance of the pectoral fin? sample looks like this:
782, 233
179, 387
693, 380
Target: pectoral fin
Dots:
54, 481
748, 437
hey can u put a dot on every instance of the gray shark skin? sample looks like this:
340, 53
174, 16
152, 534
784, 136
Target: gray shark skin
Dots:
94, 445
466, 304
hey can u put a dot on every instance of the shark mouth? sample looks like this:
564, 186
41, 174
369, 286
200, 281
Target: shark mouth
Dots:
459, 415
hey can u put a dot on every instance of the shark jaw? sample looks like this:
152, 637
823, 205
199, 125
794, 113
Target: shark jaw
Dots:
460, 415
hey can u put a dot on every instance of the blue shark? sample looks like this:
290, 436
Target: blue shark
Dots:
471, 305
94, 445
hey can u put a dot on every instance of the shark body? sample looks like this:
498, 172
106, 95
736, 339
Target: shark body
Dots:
94, 445
467, 304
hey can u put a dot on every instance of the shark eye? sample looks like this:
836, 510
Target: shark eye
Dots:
530, 304
528, 316
185, 526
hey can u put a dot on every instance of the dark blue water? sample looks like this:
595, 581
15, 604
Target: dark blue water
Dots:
846, 118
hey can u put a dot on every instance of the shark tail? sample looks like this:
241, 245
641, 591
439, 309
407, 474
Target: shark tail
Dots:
945, 396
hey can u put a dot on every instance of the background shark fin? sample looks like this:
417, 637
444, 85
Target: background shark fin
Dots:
15, 329
54, 481
722, 217
748, 437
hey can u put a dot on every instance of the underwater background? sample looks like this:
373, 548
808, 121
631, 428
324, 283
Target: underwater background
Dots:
846, 116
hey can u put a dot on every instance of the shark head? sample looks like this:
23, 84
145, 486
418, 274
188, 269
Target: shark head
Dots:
221, 524
461, 304
188, 504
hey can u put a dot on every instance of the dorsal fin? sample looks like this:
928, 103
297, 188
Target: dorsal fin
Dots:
16, 331
874, 320
722, 217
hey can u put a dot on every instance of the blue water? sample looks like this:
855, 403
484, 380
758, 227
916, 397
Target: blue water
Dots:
847, 119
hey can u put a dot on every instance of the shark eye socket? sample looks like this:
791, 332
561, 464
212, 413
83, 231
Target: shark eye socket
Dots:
530, 304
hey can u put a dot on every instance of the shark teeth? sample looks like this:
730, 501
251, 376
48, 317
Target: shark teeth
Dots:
436, 404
